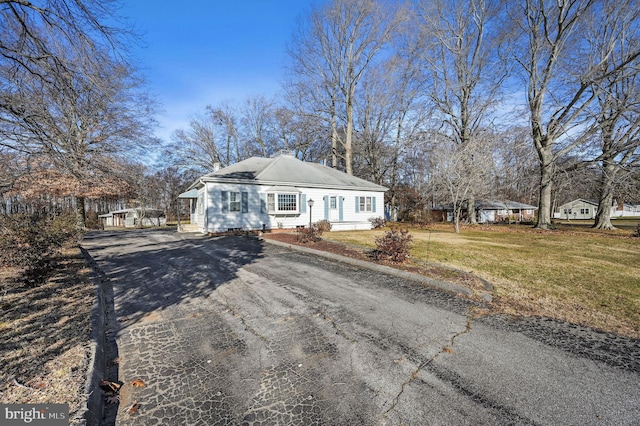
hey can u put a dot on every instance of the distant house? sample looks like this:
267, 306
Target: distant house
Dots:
282, 192
587, 209
577, 209
491, 211
130, 218
625, 210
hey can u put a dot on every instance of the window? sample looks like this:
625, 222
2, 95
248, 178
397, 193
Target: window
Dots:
365, 204
333, 202
282, 203
234, 201
287, 202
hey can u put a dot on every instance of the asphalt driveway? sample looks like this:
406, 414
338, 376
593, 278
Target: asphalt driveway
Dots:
232, 330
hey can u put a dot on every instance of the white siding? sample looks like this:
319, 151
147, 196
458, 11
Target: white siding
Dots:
577, 209
255, 219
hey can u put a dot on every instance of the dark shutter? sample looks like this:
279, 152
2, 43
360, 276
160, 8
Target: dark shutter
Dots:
263, 203
225, 201
245, 203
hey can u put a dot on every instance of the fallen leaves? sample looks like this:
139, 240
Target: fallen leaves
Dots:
137, 383
133, 408
112, 393
110, 387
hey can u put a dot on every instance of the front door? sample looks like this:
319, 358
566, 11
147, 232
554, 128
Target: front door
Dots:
333, 209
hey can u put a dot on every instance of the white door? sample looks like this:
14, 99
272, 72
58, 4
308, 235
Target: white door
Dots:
333, 209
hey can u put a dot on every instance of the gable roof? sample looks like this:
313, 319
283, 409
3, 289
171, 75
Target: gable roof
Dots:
592, 202
287, 170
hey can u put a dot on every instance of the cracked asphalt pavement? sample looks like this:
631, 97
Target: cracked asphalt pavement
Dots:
237, 331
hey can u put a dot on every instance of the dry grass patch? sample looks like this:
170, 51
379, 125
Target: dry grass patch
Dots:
582, 276
46, 331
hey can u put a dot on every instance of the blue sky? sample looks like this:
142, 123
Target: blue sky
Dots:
201, 52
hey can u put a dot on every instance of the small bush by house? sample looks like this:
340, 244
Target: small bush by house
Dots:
313, 233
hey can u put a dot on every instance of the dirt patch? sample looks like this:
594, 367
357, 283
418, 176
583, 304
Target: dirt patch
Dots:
46, 332
436, 272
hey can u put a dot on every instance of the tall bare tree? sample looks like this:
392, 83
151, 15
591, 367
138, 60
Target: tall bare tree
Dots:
617, 110
464, 69
225, 117
257, 121
331, 52
197, 147
562, 77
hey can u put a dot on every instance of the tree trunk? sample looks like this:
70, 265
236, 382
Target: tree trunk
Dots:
456, 218
471, 211
544, 202
334, 135
603, 215
348, 144
546, 183
81, 222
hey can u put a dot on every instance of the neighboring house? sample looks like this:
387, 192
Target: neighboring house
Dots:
577, 209
587, 209
490, 211
130, 218
282, 192
625, 210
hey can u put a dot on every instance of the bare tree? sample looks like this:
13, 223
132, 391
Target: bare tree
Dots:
197, 147
516, 165
33, 30
225, 117
459, 171
563, 79
390, 114
463, 67
256, 120
331, 53
79, 120
617, 110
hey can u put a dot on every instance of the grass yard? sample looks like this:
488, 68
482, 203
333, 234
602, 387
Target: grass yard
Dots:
575, 274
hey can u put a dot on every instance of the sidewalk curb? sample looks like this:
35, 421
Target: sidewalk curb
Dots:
97, 359
441, 285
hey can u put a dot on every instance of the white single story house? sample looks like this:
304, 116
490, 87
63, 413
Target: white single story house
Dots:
587, 209
282, 192
130, 218
577, 209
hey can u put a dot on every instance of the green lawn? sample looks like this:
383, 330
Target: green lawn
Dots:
583, 276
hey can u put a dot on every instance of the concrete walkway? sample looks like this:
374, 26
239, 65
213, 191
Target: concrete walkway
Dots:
233, 330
